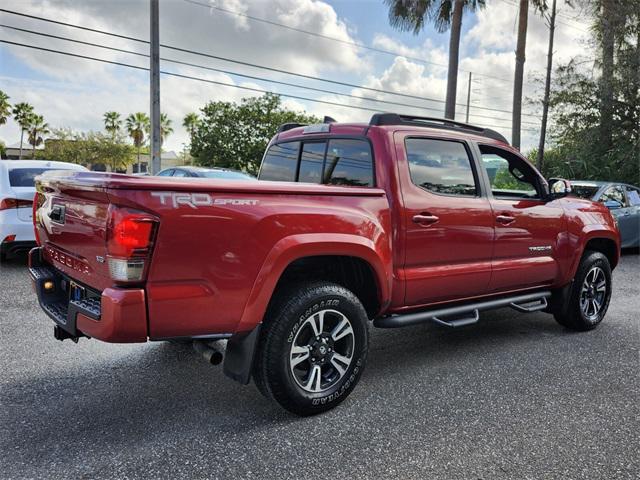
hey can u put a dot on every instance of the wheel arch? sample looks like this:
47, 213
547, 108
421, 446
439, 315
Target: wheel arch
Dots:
348, 260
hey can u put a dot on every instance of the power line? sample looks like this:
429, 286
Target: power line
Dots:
179, 62
335, 39
189, 77
253, 65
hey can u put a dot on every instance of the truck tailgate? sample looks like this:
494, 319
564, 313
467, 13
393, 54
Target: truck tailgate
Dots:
71, 223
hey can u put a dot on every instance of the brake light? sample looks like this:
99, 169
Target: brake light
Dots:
38, 201
130, 238
8, 203
9, 239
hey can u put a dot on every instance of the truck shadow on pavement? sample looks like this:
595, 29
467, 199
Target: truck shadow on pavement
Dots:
164, 387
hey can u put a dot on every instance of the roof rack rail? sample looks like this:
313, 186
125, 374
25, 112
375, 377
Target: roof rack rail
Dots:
434, 122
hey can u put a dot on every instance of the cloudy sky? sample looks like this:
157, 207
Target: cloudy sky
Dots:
74, 92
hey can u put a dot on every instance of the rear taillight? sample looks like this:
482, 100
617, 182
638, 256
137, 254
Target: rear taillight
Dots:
8, 203
38, 201
130, 238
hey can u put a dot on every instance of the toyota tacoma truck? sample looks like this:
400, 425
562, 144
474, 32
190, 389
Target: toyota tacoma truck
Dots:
395, 222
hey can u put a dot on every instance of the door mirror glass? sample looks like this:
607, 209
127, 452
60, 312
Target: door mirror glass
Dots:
559, 187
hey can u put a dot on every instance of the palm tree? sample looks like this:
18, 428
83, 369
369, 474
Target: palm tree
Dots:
137, 124
191, 122
412, 15
112, 123
37, 127
165, 127
22, 113
5, 108
523, 20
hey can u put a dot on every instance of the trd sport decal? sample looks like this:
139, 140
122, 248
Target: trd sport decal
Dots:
196, 200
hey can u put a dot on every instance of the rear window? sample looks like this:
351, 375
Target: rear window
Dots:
281, 162
333, 162
24, 177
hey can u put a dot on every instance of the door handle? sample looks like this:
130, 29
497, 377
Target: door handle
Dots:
505, 219
425, 218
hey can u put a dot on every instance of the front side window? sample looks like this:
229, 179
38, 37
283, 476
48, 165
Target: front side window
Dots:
509, 175
614, 194
280, 162
441, 166
166, 173
348, 162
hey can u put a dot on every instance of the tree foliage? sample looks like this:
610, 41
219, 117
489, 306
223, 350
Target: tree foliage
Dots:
89, 149
235, 135
580, 114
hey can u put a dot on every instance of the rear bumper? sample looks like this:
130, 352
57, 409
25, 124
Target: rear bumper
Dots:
114, 315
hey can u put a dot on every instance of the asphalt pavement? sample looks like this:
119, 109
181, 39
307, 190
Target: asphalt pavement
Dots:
516, 396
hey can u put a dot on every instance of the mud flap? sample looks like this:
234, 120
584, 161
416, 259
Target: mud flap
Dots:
238, 359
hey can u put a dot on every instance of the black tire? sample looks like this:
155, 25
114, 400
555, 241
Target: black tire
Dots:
570, 311
288, 328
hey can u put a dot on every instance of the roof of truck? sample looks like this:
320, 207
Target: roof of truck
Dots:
395, 122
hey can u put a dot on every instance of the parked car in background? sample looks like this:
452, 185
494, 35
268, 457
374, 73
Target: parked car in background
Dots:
621, 199
201, 172
17, 189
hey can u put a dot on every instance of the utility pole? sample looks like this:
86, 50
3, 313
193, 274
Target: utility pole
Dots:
547, 88
468, 97
155, 86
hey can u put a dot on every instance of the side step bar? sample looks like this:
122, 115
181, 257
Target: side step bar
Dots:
470, 312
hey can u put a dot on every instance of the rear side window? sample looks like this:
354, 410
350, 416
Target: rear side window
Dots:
440, 166
348, 162
24, 177
281, 162
333, 162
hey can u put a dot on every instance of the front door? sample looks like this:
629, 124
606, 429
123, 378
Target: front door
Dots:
447, 218
529, 228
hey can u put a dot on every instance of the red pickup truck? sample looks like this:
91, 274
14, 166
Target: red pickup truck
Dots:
396, 222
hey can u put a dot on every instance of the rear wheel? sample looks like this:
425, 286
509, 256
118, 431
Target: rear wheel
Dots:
313, 348
587, 300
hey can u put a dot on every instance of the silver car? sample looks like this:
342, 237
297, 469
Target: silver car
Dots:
624, 202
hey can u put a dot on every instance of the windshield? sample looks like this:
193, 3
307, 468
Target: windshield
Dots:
226, 175
24, 177
584, 191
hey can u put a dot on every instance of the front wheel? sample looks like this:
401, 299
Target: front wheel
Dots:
313, 348
587, 300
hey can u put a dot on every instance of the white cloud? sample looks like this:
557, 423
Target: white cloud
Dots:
91, 88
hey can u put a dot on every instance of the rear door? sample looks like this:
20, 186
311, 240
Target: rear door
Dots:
447, 220
528, 228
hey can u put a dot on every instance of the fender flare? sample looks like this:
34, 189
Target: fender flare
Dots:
591, 232
295, 247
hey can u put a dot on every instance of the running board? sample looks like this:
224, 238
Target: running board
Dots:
470, 312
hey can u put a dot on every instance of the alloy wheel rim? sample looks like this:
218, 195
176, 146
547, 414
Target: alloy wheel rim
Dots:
322, 351
593, 293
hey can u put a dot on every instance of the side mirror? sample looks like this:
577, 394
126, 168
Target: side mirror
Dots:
559, 187
612, 204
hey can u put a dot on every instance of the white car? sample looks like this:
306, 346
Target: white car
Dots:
17, 190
